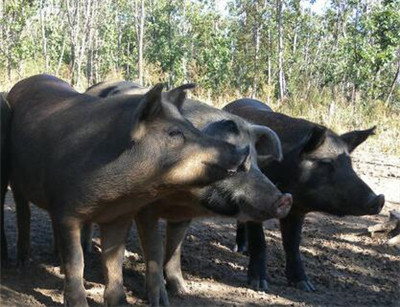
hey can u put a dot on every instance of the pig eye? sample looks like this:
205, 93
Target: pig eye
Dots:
175, 132
326, 163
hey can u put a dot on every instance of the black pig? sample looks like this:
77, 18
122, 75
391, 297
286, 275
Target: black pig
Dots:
316, 169
88, 161
248, 195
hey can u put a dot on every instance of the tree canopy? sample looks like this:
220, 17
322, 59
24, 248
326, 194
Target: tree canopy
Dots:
268, 49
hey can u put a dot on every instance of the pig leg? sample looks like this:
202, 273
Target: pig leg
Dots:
151, 241
291, 227
241, 242
113, 237
176, 232
24, 227
257, 277
56, 246
69, 240
55, 242
86, 238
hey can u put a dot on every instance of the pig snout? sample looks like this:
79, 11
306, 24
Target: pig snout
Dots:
375, 203
282, 206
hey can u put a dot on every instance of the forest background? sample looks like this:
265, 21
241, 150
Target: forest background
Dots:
338, 65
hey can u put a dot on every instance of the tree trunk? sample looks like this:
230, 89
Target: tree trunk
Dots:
9, 66
119, 43
256, 57
96, 60
60, 59
396, 77
73, 15
84, 37
282, 82
256, 41
269, 67
90, 43
171, 67
44, 39
353, 94
140, 42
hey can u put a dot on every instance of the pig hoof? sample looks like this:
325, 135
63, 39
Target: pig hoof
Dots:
304, 285
71, 303
75, 299
115, 297
119, 301
158, 299
177, 288
163, 301
122, 302
240, 249
259, 285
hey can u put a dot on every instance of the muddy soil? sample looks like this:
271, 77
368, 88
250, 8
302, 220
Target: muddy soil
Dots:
347, 266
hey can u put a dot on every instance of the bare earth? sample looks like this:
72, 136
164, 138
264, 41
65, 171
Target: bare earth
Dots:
348, 267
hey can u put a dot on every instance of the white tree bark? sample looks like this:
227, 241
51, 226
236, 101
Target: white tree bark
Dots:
44, 38
396, 77
140, 42
282, 82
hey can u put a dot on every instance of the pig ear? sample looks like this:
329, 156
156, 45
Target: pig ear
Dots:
355, 138
150, 104
177, 95
267, 144
222, 128
315, 139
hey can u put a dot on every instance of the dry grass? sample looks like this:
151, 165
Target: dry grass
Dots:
320, 106
339, 115
342, 117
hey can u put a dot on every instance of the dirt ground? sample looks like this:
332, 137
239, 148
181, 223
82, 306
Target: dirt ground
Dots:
347, 266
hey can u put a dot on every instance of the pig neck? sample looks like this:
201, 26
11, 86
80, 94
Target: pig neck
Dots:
292, 132
179, 207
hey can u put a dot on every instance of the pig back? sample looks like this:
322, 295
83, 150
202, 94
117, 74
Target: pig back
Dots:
293, 132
